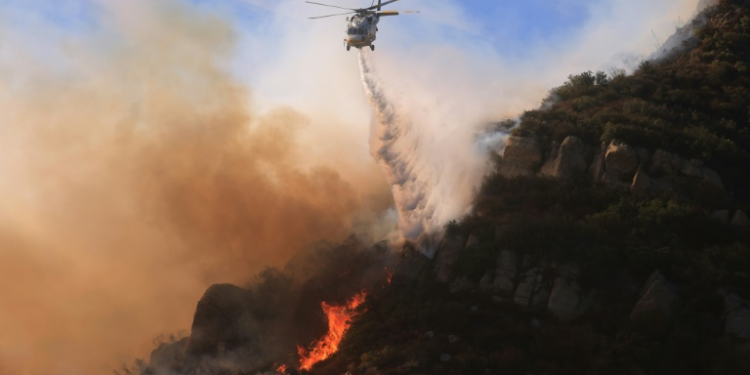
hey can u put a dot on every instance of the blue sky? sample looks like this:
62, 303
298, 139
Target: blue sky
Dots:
508, 25
512, 40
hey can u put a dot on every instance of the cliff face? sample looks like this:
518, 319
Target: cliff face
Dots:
612, 239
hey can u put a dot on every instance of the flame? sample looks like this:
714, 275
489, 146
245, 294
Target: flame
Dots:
281, 369
339, 320
388, 276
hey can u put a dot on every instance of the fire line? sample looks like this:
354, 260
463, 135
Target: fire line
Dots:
339, 321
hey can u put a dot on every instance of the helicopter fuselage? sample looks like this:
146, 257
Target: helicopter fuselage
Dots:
361, 30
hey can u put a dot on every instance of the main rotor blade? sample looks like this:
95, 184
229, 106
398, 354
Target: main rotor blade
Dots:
332, 6
386, 13
376, 6
331, 15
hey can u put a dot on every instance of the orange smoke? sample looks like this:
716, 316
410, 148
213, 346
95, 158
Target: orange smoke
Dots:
136, 172
339, 321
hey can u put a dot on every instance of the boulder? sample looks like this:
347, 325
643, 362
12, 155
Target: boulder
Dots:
570, 270
462, 284
740, 219
652, 314
738, 323
447, 254
218, 318
665, 184
621, 164
566, 302
548, 168
410, 267
641, 182
597, 167
732, 303
663, 162
527, 287
710, 176
485, 284
720, 215
571, 159
693, 168
520, 157
505, 271
541, 298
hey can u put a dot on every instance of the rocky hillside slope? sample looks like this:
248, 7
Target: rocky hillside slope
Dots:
613, 239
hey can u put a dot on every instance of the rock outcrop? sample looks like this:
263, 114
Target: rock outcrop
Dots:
666, 163
506, 271
617, 165
447, 254
641, 182
569, 161
217, 324
529, 286
411, 268
520, 158
693, 168
653, 313
710, 176
740, 219
462, 284
596, 170
621, 164
738, 323
566, 301
720, 215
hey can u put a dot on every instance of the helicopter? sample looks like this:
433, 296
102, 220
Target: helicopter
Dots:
362, 27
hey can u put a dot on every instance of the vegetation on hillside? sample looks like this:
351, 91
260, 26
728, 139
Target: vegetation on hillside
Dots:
695, 103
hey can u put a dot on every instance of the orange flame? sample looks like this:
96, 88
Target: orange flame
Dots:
339, 320
281, 369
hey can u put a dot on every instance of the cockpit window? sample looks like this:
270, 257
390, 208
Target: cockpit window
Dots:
357, 31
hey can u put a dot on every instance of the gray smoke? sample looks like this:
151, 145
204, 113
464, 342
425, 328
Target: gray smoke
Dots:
389, 137
433, 164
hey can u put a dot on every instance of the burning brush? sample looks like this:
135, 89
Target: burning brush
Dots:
339, 321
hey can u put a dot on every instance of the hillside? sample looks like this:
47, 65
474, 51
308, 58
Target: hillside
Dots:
612, 239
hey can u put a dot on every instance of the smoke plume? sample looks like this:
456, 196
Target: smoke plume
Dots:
135, 173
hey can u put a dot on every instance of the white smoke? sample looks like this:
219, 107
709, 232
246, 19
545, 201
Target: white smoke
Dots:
429, 188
